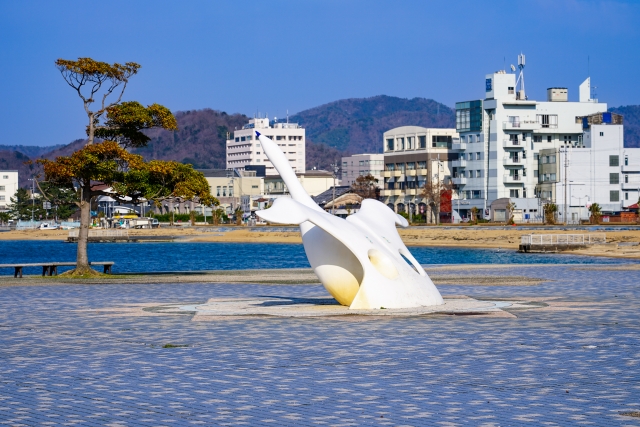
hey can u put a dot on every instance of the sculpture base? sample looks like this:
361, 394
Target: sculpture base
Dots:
328, 307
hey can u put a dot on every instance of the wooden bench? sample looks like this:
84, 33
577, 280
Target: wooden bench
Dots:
51, 268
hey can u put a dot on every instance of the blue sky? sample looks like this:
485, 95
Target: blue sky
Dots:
270, 56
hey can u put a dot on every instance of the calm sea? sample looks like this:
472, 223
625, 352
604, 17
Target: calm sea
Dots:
150, 257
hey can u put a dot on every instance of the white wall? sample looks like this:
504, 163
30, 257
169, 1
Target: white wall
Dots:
8, 187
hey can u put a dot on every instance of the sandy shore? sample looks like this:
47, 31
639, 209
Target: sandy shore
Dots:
415, 236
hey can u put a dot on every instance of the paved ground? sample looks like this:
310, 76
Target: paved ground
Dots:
62, 361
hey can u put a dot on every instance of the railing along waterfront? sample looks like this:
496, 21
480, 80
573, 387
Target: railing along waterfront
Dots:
101, 233
563, 239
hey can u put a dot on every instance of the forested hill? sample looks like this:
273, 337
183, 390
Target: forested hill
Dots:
631, 115
356, 125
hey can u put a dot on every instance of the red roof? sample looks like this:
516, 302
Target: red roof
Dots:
634, 206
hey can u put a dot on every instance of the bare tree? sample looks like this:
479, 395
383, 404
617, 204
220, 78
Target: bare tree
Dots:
435, 192
365, 187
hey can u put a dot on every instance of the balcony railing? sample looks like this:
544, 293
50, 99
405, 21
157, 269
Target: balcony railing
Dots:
525, 124
513, 161
459, 180
459, 163
512, 143
513, 179
459, 146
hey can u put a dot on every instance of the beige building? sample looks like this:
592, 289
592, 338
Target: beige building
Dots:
244, 149
233, 187
314, 182
414, 155
360, 165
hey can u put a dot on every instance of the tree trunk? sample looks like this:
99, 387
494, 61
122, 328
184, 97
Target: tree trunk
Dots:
92, 129
82, 259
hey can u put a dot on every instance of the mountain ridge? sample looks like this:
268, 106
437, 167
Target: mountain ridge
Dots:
338, 128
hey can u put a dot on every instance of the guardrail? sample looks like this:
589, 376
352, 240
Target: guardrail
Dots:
101, 233
563, 239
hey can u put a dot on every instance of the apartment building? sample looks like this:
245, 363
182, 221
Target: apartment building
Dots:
360, 165
244, 149
501, 137
599, 170
414, 155
8, 188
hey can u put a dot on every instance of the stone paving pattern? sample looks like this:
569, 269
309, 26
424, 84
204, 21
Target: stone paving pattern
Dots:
63, 365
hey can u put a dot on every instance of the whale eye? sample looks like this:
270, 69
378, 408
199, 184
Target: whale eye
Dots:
383, 264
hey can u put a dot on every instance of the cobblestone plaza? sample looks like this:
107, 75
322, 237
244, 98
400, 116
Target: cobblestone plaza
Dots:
65, 360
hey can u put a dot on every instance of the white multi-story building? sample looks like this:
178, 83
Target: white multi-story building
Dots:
360, 165
600, 170
501, 137
244, 148
8, 188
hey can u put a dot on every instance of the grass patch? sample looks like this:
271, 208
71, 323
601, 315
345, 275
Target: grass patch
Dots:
174, 345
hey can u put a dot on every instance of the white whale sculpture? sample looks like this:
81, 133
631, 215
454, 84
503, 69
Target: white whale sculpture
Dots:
358, 260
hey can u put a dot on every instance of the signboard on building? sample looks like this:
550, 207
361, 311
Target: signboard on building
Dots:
245, 203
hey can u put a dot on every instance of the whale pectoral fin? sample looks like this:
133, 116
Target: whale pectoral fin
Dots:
285, 211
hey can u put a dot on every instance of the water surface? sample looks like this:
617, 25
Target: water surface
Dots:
173, 256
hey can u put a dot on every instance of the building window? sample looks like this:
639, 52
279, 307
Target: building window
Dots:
422, 165
614, 196
614, 178
477, 156
626, 160
514, 193
475, 194
390, 167
537, 138
218, 188
400, 167
478, 174
626, 179
441, 141
535, 173
510, 90
547, 120
2, 188
548, 138
422, 140
614, 161
410, 143
400, 143
601, 133
2, 198
344, 164
626, 196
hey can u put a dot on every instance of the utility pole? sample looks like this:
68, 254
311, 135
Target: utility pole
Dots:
33, 200
566, 163
334, 166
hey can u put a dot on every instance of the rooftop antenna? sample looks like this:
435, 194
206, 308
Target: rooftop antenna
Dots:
521, 63
287, 116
